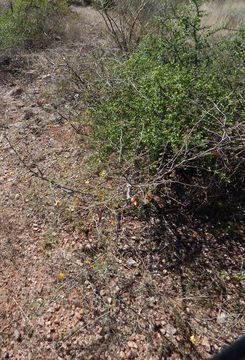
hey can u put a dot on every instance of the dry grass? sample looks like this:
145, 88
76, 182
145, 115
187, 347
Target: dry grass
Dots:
225, 13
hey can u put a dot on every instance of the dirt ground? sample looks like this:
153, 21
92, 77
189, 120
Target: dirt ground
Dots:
78, 279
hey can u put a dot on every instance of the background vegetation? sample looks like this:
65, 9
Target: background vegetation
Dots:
30, 22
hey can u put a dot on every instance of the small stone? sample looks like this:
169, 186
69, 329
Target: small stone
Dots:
49, 338
170, 330
132, 345
131, 262
163, 331
17, 335
221, 318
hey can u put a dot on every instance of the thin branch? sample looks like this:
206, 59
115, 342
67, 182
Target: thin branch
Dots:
39, 174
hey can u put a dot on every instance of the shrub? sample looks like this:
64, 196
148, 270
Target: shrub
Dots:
127, 20
178, 102
32, 22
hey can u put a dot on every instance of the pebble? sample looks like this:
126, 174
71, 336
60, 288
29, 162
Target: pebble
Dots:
132, 345
131, 262
17, 335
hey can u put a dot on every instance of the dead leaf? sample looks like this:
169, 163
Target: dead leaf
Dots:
60, 276
134, 200
193, 339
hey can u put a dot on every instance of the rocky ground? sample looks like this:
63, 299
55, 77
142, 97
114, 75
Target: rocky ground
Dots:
78, 281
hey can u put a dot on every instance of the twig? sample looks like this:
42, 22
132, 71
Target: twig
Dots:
39, 174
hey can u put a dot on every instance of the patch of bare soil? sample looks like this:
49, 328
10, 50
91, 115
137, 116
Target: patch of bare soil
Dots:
81, 277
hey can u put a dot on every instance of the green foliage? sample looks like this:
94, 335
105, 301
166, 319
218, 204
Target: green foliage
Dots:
179, 90
30, 22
